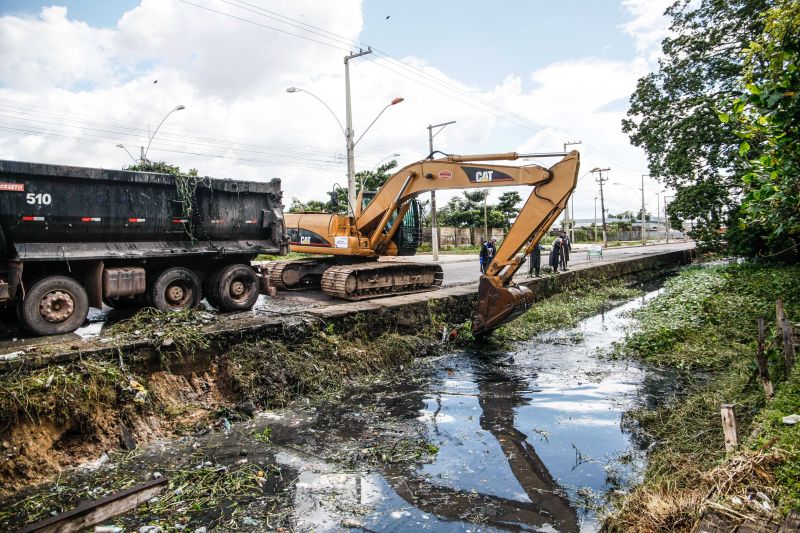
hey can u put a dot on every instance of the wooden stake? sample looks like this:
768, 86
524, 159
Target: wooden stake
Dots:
779, 314
763, 369
729, 427
788, 346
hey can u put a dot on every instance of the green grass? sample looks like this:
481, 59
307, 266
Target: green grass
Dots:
565, 309
704, 325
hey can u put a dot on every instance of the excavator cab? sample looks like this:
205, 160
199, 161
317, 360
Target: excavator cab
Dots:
409, 235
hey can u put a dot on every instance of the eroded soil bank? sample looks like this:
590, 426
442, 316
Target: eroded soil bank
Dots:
505, 435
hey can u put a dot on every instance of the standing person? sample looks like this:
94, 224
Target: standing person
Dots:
555, 254
487, 253
536, 260
566, 248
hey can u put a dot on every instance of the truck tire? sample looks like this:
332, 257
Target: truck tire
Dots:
54, 305
175, 289
235, 288
208, 288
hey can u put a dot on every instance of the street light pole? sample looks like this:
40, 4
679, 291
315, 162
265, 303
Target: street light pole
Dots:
351, 172
434, 225
666, 220
595, 219
348, 134
600, 180
143, 153
658, 205
644, 237
126, 151
571, 209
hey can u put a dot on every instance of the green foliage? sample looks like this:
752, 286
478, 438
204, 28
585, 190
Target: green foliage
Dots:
565, 309
264, 436
767, 119
467, 211
372, 180
706, 316
705, 321
161, 167
674, 117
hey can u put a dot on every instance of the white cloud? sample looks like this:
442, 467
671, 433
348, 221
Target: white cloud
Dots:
81, 90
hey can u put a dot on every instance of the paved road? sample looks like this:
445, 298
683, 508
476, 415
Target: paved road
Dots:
458, 270
462, 269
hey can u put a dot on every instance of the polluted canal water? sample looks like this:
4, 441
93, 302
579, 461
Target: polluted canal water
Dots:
530, 439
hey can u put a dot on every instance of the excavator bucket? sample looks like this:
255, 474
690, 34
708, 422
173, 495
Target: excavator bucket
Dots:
498, 305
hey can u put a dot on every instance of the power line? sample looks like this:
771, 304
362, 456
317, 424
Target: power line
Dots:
262, 25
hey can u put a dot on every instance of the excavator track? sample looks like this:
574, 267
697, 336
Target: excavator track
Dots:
298, 273
363, 281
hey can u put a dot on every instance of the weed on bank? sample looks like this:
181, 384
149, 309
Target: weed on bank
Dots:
704, 323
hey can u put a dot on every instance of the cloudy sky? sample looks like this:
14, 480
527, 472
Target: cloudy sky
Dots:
79, 77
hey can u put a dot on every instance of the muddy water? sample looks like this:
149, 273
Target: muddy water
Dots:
530, 440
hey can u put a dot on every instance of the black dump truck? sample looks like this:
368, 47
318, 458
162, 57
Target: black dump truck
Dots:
73, 238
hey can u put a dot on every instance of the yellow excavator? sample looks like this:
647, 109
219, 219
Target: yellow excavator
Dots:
387, 223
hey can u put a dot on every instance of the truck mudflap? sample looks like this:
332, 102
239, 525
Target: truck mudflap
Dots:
498, 305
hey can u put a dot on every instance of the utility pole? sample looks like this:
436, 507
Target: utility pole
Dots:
595, 219
601, 180
434, 225
485, 217
348, 133
644, 237
571, 209
666, 220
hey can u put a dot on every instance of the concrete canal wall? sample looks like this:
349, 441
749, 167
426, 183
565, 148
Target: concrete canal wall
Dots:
404, 314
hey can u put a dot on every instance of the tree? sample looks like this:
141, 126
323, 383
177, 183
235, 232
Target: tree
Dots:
467, 211
767, 119
673, 113
507, 205
373, 180
161, 167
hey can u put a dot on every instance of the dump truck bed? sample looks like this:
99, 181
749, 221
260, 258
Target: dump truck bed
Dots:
57, 212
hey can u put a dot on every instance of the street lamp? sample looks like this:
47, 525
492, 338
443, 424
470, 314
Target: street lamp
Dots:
176, 108
434, 224
120, 145
348, 136
666, 220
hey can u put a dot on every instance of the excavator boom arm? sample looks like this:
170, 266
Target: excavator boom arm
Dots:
452, 172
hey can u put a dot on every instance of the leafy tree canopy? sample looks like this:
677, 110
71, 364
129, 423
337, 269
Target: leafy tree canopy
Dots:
766, 117
673, 113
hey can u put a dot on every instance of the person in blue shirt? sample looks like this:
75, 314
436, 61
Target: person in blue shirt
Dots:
487, 253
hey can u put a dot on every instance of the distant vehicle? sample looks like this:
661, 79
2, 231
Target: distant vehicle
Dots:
73, 238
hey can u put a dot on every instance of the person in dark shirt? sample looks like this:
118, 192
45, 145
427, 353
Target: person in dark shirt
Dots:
487, 253
535, 260
566, 248
555, 254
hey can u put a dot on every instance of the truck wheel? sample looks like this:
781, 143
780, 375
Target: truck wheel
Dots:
175, 289
208, 288
236, 288
54, 305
